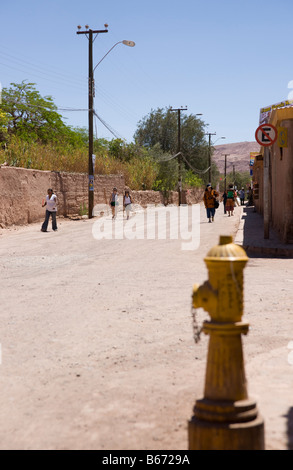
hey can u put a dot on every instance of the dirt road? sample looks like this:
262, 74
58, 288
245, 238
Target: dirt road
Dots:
97, 342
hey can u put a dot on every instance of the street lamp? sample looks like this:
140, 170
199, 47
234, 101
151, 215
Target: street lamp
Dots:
89, 33
125, 42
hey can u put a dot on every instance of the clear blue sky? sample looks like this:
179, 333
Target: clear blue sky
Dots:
224, 59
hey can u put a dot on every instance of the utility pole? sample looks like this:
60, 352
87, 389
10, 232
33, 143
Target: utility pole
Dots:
210, 162
89, 33
179, 154
225, 183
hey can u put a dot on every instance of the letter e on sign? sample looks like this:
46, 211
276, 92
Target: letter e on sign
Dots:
266, 135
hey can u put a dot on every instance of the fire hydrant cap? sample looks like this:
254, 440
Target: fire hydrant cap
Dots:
227, 250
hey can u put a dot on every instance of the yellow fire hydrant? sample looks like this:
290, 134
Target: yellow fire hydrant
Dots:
225, 418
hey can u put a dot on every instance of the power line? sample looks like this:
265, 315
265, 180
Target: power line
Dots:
171, 157
68, 109
59, 108
62, 80
42, 70
113, 132
193, 169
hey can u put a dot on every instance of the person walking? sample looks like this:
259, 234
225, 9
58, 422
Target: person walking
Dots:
51, 210
114, 202
209, 199
127, 201
242, 196
250, 196
224, 199
230, 203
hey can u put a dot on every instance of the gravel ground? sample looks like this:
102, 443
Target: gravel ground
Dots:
97, 340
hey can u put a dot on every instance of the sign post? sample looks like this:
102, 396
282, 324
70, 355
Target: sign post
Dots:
266, 193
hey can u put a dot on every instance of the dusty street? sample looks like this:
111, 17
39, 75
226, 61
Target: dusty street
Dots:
97, 342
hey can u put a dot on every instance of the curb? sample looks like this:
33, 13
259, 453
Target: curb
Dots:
271, 251
256, 248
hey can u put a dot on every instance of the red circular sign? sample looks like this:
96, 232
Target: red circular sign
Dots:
266, 135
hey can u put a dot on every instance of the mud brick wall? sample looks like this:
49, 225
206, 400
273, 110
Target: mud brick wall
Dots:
144, 198
72, 190
22, 192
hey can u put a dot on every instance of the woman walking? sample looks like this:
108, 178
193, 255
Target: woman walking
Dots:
209, 199
230, 203
114, 202
127, 201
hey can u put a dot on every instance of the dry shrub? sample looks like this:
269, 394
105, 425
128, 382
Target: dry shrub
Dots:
139, 172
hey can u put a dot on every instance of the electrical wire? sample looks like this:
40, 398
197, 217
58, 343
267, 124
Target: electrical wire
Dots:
66, 80
58, 108
113, 132
67, 109
193, 169
171, 157
42, 70
28, 67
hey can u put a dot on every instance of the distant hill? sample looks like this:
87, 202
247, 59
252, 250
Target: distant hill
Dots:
237, 154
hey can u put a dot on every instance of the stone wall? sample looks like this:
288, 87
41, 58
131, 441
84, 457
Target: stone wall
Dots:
22, 192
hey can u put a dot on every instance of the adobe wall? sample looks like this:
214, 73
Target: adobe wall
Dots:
258, 179
282, 186
281, 183
22, 191
144, 198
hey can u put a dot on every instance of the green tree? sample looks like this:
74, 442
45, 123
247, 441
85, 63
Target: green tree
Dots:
33, 117
167, 169
160, 128
125, 152
191, 180
239, 179
3, 126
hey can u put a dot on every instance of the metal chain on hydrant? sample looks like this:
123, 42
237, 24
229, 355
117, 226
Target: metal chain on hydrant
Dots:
196, 328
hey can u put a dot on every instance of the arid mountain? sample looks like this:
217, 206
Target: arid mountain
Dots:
238, 154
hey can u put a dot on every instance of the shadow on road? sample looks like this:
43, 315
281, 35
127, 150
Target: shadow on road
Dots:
289, 417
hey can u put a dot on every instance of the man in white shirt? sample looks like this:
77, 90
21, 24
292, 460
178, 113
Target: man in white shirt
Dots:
51, 203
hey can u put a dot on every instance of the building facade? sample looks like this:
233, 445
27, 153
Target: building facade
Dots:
279, 158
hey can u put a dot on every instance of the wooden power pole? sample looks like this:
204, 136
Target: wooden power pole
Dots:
179, 154
89, 33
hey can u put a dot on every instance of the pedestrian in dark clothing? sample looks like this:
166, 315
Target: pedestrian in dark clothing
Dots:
242, 196
224, 199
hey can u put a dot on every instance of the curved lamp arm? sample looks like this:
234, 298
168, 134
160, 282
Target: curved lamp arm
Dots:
126, 43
